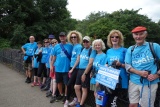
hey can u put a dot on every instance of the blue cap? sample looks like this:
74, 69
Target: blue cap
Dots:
51, 37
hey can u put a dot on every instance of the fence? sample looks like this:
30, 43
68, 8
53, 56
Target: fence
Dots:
14, 58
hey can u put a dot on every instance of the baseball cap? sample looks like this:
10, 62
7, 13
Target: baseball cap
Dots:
138, 29
62, 34
86, 38
51, 37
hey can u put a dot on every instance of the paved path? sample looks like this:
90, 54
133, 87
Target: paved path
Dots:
14, 92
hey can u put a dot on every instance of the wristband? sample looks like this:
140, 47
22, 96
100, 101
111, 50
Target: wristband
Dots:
85, 74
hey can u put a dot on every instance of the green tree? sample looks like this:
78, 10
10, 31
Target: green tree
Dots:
21, 18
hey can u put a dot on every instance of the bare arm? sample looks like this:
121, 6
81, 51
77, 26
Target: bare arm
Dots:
52, 60
76, 63
23, 50
87, 69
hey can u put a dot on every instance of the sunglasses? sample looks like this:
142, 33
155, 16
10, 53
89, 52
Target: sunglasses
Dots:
115, 37
85, 41
73, 37
54, 42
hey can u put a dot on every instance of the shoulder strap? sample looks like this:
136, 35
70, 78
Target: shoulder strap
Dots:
90, 50
154, 54
65, 51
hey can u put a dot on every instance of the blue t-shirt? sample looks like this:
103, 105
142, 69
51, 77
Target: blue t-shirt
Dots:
84, 58
35, 63
30, 49
119, 55
75, 53
48, 57
62, 63
100, 59
45, 54
142, 59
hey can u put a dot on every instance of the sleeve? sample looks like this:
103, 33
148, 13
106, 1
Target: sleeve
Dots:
93, 54
79, 49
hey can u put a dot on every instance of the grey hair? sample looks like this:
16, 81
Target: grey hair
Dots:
98, 40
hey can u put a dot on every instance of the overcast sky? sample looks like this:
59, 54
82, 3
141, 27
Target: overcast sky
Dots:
81, 8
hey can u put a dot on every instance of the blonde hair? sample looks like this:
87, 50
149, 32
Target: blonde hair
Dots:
54, 40
98, 40
78, 34
120, 43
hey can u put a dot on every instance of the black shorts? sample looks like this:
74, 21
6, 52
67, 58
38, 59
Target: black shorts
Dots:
73, 77
62, 77
86, 83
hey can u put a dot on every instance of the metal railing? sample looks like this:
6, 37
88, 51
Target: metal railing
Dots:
14, 59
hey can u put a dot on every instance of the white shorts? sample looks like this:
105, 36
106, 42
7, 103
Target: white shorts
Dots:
134, 94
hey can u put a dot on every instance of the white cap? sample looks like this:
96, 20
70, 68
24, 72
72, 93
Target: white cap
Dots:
87, 38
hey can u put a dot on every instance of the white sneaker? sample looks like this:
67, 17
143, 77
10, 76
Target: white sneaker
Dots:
74, 102
66, 103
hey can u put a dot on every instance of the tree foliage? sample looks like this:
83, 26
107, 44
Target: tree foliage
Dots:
21, 18
100, 24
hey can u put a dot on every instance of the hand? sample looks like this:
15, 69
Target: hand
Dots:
118, 63
152, 77
70, 71
144, 74
51, 69
97, 84
83, 77
91, 74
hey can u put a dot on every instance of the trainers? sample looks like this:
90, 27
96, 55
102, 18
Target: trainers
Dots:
64, 99
42, 86
49, 93
53, 98
29, 80
33, 84
66, 103
74, 102
26, 80
38, 84
78, 105
60, 97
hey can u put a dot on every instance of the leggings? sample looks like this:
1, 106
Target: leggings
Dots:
42, 69
35, 70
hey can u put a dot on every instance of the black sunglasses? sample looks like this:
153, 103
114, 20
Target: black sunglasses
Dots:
85, 41
73, 37
115, 37
54, 42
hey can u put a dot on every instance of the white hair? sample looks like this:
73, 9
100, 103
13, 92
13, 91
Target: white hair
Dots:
98, 40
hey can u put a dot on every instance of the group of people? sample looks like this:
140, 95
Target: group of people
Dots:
73, 64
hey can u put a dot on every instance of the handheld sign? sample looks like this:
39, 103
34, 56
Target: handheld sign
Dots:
108, 76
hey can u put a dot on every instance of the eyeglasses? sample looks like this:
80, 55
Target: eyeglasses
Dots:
85, 41
115, 37
54, 42
73, 37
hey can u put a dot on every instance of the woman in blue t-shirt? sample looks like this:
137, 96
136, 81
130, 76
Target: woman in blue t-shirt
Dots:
116, 57
42, 65
75, 38
35, 63
100, 59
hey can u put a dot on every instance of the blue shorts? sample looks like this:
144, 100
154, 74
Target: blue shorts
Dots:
62, 77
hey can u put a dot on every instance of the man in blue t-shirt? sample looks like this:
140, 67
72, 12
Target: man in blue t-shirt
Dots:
83, 76
139, 62
28, 51
60, 57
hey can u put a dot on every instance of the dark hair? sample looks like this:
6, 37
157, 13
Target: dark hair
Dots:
39, 42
